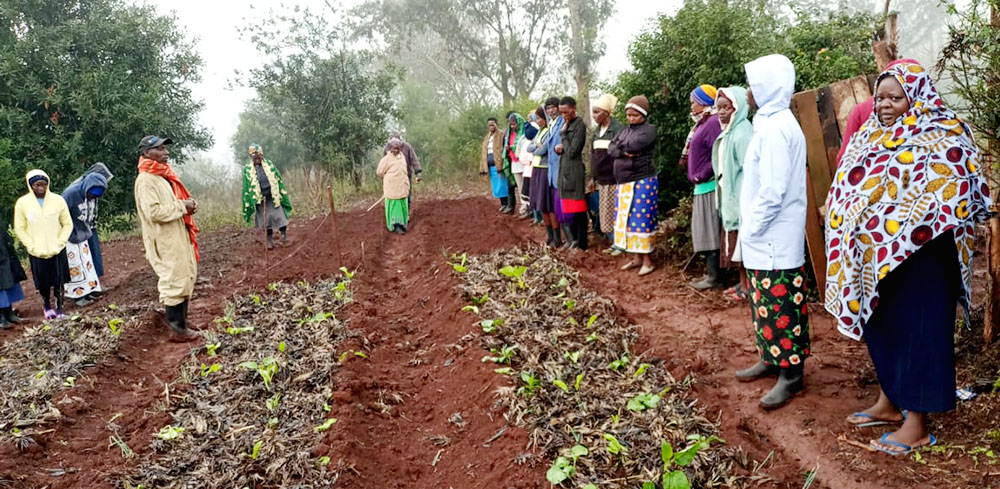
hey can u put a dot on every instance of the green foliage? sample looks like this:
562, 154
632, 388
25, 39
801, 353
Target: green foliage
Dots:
709, 41
82, 83
643, 402
563, 467
971, 61
335, 99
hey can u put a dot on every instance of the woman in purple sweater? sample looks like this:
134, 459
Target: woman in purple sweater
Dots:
704, 212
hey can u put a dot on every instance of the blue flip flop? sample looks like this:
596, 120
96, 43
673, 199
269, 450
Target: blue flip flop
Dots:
906, 448
875, 422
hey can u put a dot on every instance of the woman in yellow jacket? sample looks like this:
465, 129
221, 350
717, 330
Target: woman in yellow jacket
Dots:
43, 225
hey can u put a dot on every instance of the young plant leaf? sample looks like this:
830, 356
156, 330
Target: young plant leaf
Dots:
325, 426
642, 369
676, 480
643, 402
560, 470
560, 384
576, 385
591, 321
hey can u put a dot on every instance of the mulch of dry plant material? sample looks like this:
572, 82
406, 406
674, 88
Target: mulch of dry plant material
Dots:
50, 357
596, 409
258, 396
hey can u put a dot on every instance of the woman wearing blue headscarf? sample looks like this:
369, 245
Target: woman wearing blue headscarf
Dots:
81, 197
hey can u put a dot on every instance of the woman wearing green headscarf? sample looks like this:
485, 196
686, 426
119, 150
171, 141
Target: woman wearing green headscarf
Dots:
512, 165
728, 153
261, 183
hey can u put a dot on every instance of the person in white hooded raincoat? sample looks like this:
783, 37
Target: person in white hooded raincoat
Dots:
772, 230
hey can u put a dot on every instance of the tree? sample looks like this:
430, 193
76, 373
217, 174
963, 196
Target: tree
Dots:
586, 19
971, 60
270, 127
507, 43
709, 41
83, 81
337, 100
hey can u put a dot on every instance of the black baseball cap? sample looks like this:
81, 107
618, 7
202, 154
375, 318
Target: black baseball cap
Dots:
150, 142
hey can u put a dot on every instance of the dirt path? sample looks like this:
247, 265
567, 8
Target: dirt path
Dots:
419, 411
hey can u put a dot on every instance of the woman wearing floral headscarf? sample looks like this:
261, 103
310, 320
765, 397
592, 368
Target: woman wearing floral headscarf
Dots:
261, 182
902, 213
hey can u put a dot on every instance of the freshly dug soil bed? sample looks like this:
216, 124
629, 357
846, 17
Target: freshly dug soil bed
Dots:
420, 411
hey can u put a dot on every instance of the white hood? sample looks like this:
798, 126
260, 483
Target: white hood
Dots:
772, 80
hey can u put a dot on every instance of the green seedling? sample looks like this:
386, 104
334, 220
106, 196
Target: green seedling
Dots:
564, 467
272, 422
614, 447
211, 349
621, 362
676, 478
563, 283
115, 326
230, 316
234, 330
340, 290
323, 461
361, 354
531, 384
560, 384
472, 309
273, 402
69, 382
459, 267
256, 299
255, 451
516, 273
590, 486
347, 273
591, 321
40, 374
273, 286
170, 433
643, 402
502, 355
481, 300
327, 407
316, 319
576, 385
614, 420
326, 425
75, 317
642, 369
573, 322
343, 357
504, 371
490, 325
569, 304
267, 368
206, 370
572, 356
117, 441
592, 337
281, 346
302, 284
112, 307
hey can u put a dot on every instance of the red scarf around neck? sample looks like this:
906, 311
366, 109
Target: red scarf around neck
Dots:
164, 170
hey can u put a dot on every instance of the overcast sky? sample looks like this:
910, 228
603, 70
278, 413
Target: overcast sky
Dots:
215, 24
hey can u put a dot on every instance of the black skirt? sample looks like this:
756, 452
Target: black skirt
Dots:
49, 272
911, 333
541, 191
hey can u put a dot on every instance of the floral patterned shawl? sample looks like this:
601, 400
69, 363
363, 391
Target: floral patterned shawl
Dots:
897, 188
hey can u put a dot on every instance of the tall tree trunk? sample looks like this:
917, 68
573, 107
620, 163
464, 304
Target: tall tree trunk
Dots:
992, 319
581, 64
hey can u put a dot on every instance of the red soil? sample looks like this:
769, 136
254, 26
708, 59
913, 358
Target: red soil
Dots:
394, 407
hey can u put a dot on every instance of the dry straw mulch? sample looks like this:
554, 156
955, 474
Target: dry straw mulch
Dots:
50, 357
252, 421
575, 370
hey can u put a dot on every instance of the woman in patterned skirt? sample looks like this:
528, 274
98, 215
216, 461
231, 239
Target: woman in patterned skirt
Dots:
900, 240
635, 216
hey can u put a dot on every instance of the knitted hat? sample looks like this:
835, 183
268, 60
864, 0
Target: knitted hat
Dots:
607, 103
704, 95
640, 103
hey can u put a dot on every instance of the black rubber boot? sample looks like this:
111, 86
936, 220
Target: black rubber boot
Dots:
557, 242
284, 235
551, 240
712, 280
790, 382
8, 314
758, 370
570, 238
581, 231
270, 239
177, 319
4, 323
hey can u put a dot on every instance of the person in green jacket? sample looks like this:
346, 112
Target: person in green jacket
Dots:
728, 153
261, 184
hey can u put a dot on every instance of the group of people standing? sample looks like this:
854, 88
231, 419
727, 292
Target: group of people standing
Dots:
899, 227
59, 234
541, 162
